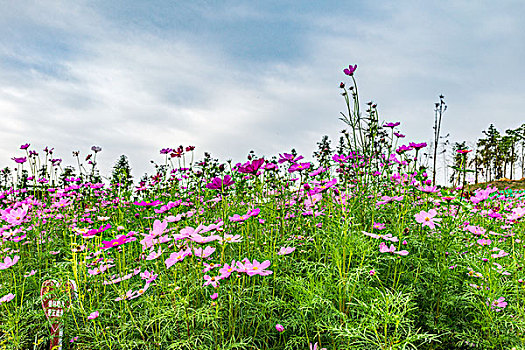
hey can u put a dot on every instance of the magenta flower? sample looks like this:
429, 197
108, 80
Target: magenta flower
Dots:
25, 146
115, 242
251, 168
93, 315
214, 296
403, 149
299, 167
287, 157
418, 146
92, 232
391, 125
166, 150
219, 184
350, 70
20, 160
8, 262
379, 226
279, 328
427, 219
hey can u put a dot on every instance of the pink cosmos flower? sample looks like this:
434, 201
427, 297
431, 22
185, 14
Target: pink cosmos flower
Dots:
8, 262
139, 292
427, 219
500, 302
279, 328
314, 347
428, 189
379, 226
484, 242
7, 298
148, 276
30, 273
15, 216
203, 253
257, 268
214, 281
383, 248
231, 239
154, 254
93, 315
227, 270
176, 257
391, 125
209, 267
286, 250
214, 296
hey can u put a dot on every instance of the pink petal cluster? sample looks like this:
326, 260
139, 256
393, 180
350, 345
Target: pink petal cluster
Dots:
8, 262
427, 218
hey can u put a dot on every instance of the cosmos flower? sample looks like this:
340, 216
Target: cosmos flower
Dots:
93, 315
257, 268
8, 262
6, 298
350, 70
427, 219
286, 250
219, 184
251, 168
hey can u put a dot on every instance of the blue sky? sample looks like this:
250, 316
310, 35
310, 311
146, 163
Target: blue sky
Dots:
231, 76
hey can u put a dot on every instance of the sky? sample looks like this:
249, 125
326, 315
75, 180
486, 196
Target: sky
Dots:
232, 76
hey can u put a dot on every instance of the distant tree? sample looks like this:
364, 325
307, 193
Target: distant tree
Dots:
457, 165
324, 152
493, 151
122, 173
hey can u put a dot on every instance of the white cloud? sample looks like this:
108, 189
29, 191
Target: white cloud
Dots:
134, 91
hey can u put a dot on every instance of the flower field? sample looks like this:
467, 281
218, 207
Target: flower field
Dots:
355, 248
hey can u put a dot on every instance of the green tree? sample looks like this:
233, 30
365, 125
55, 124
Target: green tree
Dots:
122, 173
